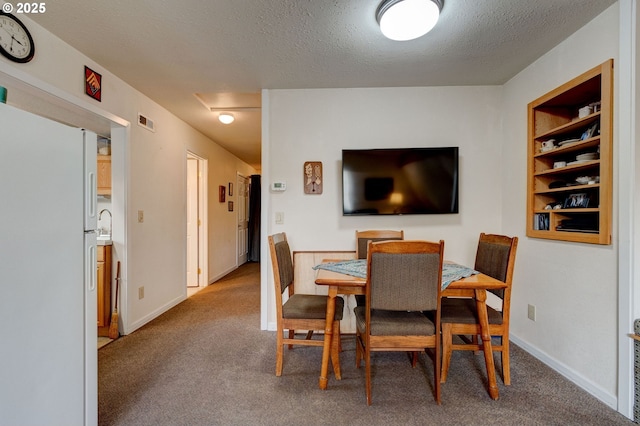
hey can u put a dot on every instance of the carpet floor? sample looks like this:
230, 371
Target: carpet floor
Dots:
206, 362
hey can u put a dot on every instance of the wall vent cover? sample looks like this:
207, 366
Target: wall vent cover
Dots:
146, 122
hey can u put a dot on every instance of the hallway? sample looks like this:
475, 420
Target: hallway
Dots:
166, 364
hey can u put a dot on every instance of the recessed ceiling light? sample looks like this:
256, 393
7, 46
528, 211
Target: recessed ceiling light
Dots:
226, 118
403, 20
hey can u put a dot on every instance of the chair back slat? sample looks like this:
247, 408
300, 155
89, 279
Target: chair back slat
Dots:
405, 281
364, 242
493, 258
363, 238
285, 264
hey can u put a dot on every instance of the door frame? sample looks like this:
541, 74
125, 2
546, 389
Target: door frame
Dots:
202, 254
239, 207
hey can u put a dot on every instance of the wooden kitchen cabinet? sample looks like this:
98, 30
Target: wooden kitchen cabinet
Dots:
104, 175
104, 289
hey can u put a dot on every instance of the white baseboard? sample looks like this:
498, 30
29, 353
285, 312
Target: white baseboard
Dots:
161, 310
222, 274
570, 374
153, 315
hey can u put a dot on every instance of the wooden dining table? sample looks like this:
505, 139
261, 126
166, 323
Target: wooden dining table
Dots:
475, 286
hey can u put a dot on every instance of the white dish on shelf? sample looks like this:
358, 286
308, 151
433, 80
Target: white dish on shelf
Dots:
587, 180
564, 142
587, 156
573, 163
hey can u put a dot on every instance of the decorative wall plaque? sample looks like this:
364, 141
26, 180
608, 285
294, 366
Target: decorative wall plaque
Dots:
313, 177
93, 84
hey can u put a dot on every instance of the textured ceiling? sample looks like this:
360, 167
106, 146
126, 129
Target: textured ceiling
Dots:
172, 50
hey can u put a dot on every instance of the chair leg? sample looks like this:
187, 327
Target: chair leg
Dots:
414, 359
367, 367
292, 334
506, 367
447, 342
335, 350
436, 371
476, 340
358, 350
279, 352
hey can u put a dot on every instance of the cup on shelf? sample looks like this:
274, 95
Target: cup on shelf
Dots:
584, 111
559, 164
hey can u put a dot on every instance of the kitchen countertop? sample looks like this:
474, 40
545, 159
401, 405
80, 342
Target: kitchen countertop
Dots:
104, 241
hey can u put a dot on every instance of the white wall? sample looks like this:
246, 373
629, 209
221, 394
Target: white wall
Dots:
156, 167
315, 125
573, 286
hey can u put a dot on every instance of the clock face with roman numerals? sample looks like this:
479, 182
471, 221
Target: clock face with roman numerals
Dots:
16, 42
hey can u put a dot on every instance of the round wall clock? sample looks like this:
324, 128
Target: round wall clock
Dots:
16, 42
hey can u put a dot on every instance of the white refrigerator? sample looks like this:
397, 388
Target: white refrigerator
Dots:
48, 302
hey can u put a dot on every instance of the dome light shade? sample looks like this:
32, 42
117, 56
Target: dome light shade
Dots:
403, 20
226, 118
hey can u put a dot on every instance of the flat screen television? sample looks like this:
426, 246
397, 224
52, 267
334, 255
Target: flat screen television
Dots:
400, 181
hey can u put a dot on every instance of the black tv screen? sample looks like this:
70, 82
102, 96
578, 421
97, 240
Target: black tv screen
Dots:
400, 181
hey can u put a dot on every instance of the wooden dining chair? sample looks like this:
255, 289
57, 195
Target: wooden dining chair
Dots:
375, 235
403, 281
495, 256
299, 311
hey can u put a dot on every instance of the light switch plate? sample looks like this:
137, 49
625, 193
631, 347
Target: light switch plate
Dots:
279, 218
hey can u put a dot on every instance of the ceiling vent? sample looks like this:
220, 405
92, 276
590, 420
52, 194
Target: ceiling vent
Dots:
147, 123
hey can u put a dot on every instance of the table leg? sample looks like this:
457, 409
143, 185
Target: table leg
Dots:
481, 306
328, 332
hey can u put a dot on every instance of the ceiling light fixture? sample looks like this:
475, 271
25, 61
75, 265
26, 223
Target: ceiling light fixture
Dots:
403, 20
226, 118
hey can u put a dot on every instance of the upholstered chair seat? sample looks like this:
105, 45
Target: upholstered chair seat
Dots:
463, 311
394, 323
310, 306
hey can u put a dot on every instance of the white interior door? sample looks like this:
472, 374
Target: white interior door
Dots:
243, 219
192, 222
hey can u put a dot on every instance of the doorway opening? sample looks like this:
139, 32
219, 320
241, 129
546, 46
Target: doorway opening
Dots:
196, 257
243, 218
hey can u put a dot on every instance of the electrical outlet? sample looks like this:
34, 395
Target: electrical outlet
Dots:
531, 312
140, 216
141, 292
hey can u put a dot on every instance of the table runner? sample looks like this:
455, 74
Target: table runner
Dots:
358, 268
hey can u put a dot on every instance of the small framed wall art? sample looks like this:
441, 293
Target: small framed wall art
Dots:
221, 191
230, 189
313, 177
93, 84
230, 206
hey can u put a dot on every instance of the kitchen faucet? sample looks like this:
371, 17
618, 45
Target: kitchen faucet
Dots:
110, 219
